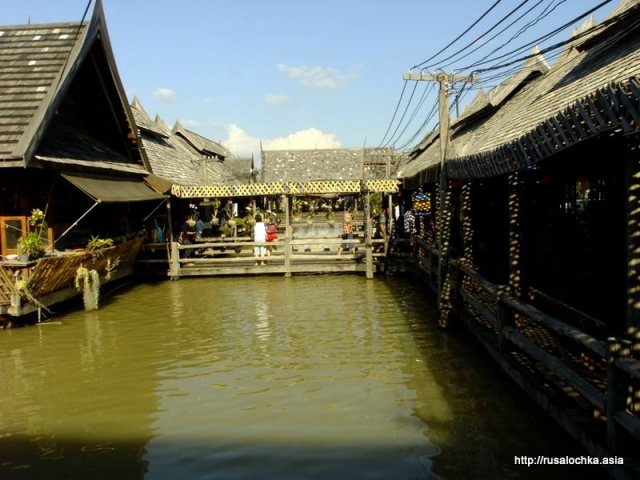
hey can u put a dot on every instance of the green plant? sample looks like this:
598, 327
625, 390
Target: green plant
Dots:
97, 246
31, 245
296, 207
375, 203
89, 282
330, 215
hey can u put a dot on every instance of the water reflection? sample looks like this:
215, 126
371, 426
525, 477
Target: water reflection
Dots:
305, 377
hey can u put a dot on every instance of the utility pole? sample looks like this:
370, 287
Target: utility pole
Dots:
444, 80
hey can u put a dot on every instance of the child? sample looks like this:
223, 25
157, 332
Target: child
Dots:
259, 236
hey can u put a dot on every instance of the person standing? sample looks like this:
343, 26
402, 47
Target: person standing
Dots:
347, 232
381, 228
259, 237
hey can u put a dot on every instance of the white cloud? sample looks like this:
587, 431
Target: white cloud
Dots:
164, 95
319, 77
276, 100
308, 139
240, 142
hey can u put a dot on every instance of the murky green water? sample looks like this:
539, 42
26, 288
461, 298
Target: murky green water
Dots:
317, 377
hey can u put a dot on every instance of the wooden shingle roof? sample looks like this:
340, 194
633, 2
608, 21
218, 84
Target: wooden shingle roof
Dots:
200, 143
32, 58
172, 158
242, 167
62, 101
326, 164
551, 111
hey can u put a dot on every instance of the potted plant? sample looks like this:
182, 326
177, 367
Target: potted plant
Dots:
296, 210
97, 246
30, 246
330, 216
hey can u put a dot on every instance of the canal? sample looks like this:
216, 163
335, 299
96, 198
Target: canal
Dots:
311, 377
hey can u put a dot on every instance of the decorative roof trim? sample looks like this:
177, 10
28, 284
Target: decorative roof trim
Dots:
615, 107
285, 188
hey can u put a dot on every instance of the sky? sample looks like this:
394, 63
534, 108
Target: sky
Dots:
297, 74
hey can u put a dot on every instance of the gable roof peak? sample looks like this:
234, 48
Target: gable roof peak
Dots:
135, 103
588, 24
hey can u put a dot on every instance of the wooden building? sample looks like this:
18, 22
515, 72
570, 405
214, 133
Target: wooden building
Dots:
69, 148
302, 192
537, 247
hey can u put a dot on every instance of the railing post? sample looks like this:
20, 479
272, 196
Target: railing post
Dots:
288, 234
174, 261
616, 389
367, 236
502, 315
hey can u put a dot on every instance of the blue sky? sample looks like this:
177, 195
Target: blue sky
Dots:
291, 73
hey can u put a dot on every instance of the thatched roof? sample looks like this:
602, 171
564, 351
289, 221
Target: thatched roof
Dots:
172, 158
329, 164
579, 97
61, 99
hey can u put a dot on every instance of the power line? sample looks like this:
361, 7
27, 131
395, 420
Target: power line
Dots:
458, 37
547, 36
484, 33
403, 115
404, 87
488, 40
428, 89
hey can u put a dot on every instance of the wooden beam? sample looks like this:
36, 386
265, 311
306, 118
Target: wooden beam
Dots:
633, 111
585, 116
595, 110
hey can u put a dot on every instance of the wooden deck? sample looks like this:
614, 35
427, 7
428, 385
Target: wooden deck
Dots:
50, 280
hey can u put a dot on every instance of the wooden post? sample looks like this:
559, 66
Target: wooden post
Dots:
174, 261
444, 223
367, 236
502, 316
288, 234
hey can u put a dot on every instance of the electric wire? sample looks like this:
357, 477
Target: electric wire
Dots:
404, 87
415, 86
481, 35
490, 39
428, 89
458, 37
499, 71
545, 37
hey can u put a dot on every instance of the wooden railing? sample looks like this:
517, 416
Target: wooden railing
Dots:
597, 376
235, 255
